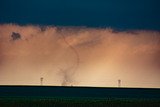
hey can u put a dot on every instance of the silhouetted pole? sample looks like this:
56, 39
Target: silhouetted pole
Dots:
41, 79
119, 83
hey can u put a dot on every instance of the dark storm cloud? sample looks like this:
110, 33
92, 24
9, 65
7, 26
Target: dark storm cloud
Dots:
120, 14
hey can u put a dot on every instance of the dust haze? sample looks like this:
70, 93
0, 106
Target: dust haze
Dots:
78, 56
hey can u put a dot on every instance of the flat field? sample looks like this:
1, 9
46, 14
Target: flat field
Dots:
54, 96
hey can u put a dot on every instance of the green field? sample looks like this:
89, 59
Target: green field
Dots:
57, 96
76, 102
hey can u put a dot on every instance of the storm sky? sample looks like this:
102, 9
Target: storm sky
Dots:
79, 56
80, 42
119, 14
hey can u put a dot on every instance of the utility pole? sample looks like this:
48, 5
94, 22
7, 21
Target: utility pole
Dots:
119, 83
41, 81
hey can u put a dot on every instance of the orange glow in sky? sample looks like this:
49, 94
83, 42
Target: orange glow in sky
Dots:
79, 56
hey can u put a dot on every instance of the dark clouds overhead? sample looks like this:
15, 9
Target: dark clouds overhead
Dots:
120, 14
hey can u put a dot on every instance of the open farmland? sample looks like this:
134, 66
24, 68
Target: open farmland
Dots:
51, 96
